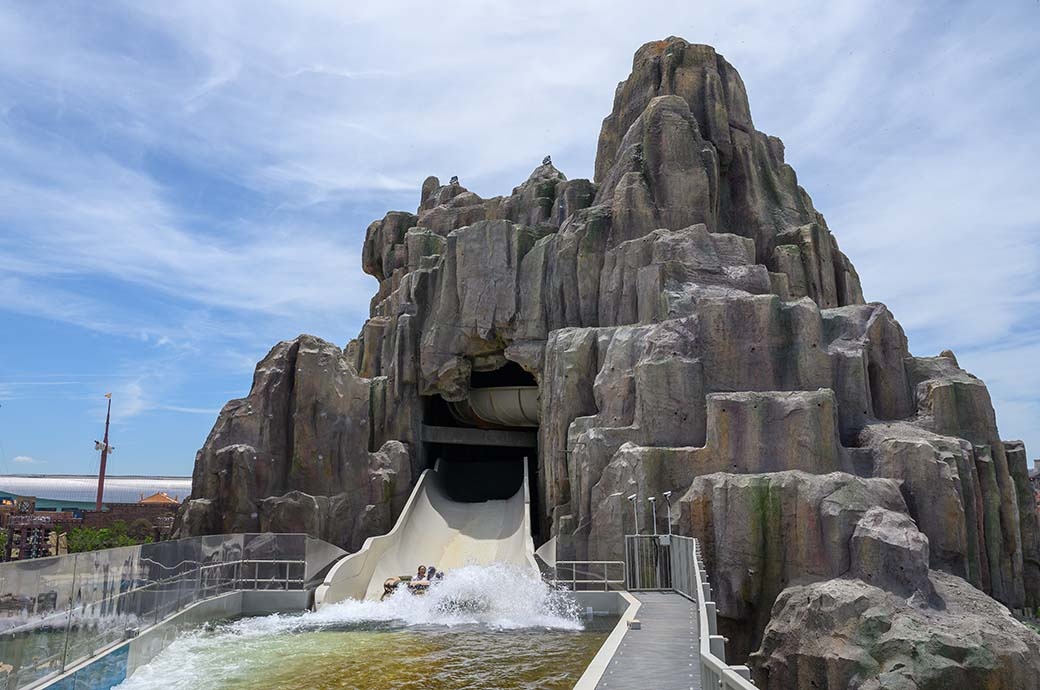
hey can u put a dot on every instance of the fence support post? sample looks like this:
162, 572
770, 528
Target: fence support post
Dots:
717, 644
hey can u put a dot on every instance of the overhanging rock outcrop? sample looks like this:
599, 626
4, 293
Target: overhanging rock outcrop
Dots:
694, 327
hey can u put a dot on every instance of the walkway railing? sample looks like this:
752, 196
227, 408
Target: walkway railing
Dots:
57, 612
673, 563
590, 575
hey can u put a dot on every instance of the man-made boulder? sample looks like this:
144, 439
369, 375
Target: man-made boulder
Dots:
845, 633
762, 532
888, 551
692, 326
274, 458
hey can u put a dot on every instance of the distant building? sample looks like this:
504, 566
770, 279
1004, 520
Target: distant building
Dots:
31, 534
161, 498
35, 509
76, 492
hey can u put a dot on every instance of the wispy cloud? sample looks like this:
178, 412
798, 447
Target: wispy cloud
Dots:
17, 390
25, 460
191, 410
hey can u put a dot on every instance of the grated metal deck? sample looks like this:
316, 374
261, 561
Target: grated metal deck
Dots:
663, 654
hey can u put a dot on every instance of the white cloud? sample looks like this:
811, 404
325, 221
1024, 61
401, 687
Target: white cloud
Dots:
212, 412
25, 460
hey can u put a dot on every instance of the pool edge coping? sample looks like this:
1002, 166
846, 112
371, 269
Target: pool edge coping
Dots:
598, 666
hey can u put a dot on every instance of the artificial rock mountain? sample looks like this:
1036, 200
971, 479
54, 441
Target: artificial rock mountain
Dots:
693, 327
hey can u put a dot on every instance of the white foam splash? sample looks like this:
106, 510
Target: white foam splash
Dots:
497, 596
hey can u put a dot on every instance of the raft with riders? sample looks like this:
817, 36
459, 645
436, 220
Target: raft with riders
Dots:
415, 584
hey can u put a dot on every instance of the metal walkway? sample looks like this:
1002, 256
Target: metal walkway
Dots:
663, 654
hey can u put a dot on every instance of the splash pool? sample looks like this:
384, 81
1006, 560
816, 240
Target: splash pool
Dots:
483, 627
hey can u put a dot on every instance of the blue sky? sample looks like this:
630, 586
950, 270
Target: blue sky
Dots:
184, 184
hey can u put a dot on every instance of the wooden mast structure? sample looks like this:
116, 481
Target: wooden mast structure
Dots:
104, 455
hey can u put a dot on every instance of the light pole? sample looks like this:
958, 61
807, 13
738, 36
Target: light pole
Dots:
671, 554
635, 542
656, 551
668, 500
105, 450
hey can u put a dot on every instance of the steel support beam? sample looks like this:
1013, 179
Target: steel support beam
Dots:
479, 437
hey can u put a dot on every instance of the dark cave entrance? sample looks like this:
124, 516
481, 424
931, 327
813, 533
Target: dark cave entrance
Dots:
480, 473
512, 374
482, 458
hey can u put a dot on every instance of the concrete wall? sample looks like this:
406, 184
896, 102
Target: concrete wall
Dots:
612, 603
127, 513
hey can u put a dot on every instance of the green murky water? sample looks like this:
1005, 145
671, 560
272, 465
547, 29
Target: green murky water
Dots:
358, 659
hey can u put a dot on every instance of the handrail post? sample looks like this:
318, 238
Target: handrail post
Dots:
713, 621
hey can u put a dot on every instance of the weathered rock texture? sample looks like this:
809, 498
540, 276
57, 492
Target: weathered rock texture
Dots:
847, 633
293, 455
693, 326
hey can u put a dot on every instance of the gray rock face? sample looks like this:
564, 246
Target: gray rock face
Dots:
1019, 468
888, 551
762, 532
846, 633
693, 327
295, 453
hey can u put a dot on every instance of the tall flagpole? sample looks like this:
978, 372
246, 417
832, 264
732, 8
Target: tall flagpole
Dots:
104, 455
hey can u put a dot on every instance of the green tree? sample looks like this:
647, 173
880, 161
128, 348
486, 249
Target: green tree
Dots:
141, 530
82, 539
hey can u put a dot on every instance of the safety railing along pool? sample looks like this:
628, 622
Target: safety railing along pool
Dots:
58, 613
673, 563
590, 575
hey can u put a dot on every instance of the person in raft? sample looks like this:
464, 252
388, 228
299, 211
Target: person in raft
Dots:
414, 582
421, 581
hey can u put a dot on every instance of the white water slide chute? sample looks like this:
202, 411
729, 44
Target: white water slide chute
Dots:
433, 529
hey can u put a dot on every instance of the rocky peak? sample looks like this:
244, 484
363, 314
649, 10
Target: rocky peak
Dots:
546, 172
711, 87
705, 161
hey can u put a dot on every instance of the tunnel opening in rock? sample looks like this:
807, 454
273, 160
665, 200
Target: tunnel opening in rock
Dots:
483, 442
504, 398
479, 473
476, 473
511, 374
